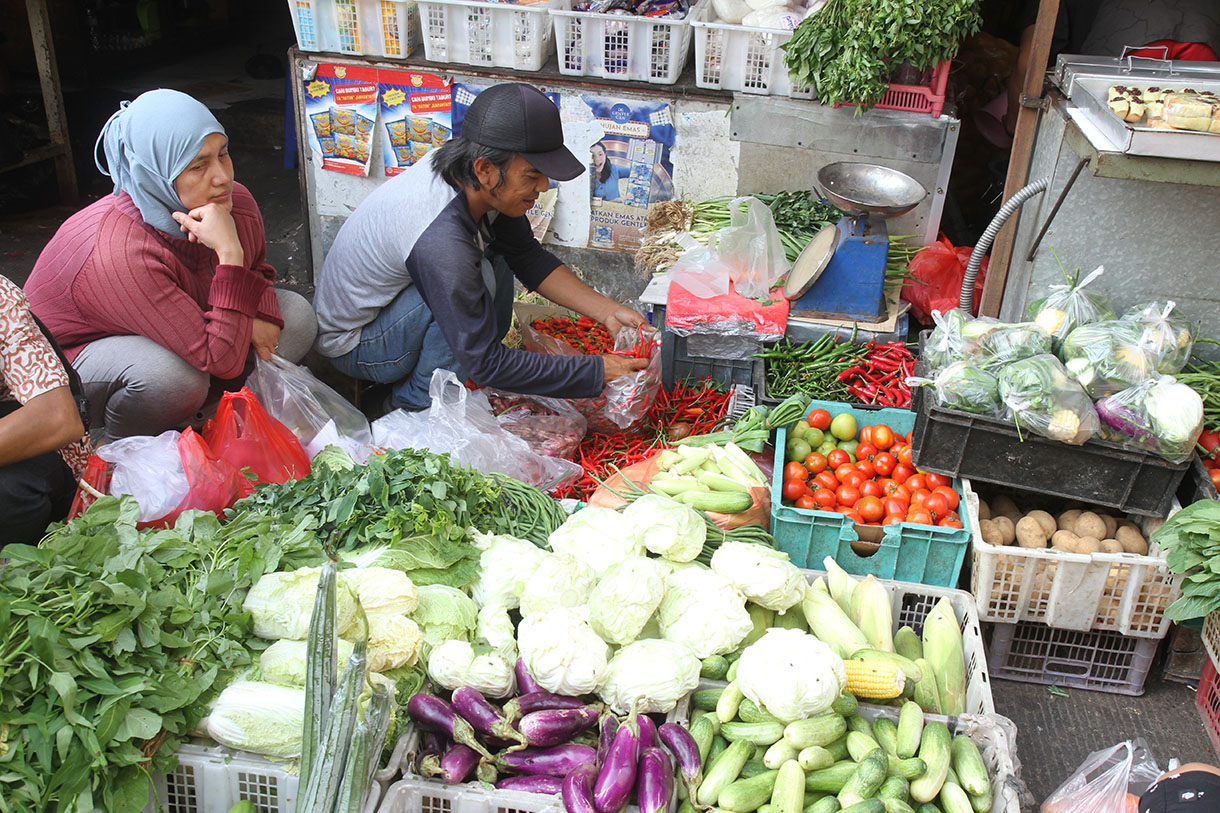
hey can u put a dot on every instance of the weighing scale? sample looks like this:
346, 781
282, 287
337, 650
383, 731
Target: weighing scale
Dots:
841, 272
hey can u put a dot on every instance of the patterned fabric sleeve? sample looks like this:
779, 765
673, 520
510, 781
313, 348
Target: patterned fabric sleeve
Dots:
30, 366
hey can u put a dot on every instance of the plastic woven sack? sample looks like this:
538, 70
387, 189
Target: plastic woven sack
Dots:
1105, 780
1106, 357
1158, 415
1167, 335
1069, 306
551, 426
294, 396
1044, 399
245, 435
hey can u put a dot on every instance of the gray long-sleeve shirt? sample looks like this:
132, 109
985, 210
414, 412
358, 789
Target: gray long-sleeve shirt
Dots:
416, 229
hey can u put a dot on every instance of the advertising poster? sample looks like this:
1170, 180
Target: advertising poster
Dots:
341, 111
629, 169
415, 116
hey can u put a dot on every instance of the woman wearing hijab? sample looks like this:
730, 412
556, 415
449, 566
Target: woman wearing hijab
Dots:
161, 292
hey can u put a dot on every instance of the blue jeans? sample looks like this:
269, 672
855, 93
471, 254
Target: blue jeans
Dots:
404, 344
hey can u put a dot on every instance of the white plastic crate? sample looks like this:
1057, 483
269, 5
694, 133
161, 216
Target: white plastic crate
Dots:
1211, 635
741, 398
1122, 592
621, 46
211, 779
342, 26
741, 58
399, 28
501, 35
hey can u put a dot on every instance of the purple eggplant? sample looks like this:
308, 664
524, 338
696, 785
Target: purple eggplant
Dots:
606, 739
686, 751
433, 744
648, 733
483, 717
578, 789
525, 681
434, 714
486, 773
532, 784
556, 761
454, 767
617, 778
555, 726
656, 781
541, 701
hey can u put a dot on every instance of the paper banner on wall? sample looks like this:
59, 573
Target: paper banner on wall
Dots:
415, 116
541, 213
341, 111
629, 169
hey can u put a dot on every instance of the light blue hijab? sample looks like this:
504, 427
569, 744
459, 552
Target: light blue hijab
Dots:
148, 143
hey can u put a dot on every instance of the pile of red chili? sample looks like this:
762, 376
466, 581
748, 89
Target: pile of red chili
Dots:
880, 377
587, 335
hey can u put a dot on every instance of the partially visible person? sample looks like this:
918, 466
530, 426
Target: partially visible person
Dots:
161, 294
606, 173
1190, 788
43, 447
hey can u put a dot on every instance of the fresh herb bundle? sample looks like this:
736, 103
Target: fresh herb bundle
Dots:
848, 50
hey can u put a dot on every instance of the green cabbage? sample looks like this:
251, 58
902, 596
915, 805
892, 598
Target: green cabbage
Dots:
262, 718
281, 604
445, 613
625, 598
667, 527
283, 662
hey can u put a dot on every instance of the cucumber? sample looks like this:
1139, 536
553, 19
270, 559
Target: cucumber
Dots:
781, 752
857, 723
912, 768
867, 806
910, 728
866, 781
860, 745
821, 730
814, 758
934, 751
714, 667
838, 749
968, 764
894, 787
723, 772
753, 767
766, 808
788, 795
706, 699
845, 704
832, 779
731, 675
747, 795
827, 804
749, 712
928, 807
703, 731
953, 799
893, 805
885, 731
981, 804
726, 706
719, 746
756, 733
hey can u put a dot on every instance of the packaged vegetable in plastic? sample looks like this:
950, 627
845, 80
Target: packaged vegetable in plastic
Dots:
1005, 343
1043, 398
1167, 334
945, 343
551, 426
1106, 357
966, 387
1159, 415
1106, 780
1069, 306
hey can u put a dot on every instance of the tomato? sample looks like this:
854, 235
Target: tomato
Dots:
904, 456
825, 498
847, 495
916, 482
949, 522
919, 516
853, 478
854, 514
871, 488
816, 463
883, 437
866, 435
1210, 440
871, 509
1215, 475
827, 479
898, 490
806, 501
866, 468
950, 496
894, 519
837, 457
819, 419
794, 489
936, 504
866, 451
844, 470
902, 473
1210, 463
885, 463
919, 497
894, 505
938, 480
796, 471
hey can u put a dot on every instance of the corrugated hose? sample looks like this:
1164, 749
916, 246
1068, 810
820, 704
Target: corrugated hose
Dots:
966, 299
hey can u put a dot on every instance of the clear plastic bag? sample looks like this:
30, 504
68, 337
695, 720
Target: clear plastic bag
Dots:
294, 396
551, 426
1002, 344
1105, 780
945, 343
748, 251
1067, 307
460, 423
1167, 335
966, 387
1043, 398
1158, 415
1106, 357
149, 469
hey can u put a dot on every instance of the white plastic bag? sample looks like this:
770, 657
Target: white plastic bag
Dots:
294, 396
1103, 780
149, 469
461, 423
748, 252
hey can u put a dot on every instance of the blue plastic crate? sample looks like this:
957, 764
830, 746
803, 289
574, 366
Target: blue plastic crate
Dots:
923, 554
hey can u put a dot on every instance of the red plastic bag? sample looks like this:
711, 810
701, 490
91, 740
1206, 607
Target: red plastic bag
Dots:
730, 314
939, 269
246, 436
215, 483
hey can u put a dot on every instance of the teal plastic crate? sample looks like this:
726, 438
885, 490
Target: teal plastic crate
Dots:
923, 554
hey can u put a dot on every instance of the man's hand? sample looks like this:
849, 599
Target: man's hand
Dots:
615, 366
265, 339
622, 317
213, 226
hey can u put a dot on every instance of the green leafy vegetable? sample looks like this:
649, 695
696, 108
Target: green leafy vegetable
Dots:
1192, 538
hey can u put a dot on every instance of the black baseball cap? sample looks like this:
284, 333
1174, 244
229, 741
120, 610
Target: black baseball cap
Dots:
519, 117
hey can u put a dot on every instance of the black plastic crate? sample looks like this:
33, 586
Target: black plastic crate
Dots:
677, 364
1197, 484
978, 447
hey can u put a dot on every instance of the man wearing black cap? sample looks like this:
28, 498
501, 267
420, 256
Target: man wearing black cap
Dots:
420, 277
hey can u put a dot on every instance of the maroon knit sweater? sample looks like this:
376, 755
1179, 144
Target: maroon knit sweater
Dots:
108, 273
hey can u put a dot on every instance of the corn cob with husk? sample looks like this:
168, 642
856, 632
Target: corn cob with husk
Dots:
831, 625
873, 614
942, 647
841, 583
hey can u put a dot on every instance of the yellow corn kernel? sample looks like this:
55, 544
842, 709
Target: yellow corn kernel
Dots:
874, 680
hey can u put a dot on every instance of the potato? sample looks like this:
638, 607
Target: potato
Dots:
1065, 541
984, 509
1006, 527
1088, 544
1049, 526
1067, 520
1030, 533
1131, 540
1089, 524
1112, 546
991, 534
1004, 506
1111, 525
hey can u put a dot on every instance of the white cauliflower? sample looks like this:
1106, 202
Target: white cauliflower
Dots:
704, 611
764, 575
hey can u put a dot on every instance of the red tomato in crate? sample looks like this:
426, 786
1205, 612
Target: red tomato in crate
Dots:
950, 496
819, 419
837, 457
794, 490
883, 437
936, 504
806, 502
898, 490
825, 498
894, 519
884, 463
894, 505
816, 463
904, 456
866, 436
916, 482
795, 471
871, 488
949, 522
919, 516
938, 480
854, 479
1210, 440
827, 479
866, 451
853, 514
844, 470
865, 467
902, 473
847, 495
919, 497
871, 509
